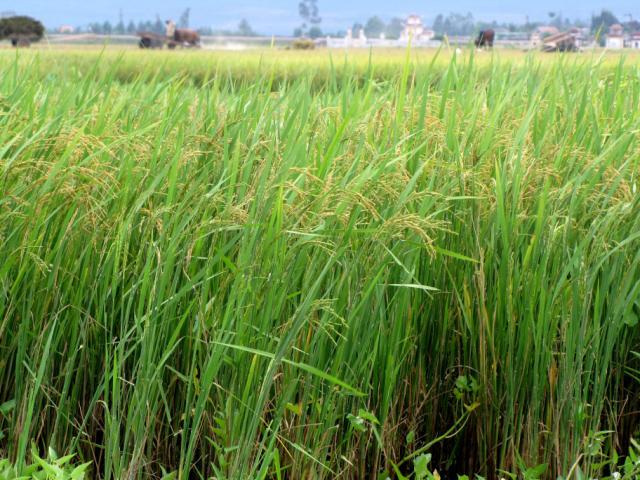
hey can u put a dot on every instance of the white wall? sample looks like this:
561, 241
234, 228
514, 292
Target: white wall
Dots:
378, 42
615, 43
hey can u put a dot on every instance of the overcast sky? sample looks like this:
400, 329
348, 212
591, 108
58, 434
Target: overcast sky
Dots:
280, 16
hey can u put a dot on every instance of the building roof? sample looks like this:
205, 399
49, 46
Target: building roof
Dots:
547, 29
414, 20
560, 37
616, 30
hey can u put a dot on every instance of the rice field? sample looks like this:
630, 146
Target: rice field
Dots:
275, 265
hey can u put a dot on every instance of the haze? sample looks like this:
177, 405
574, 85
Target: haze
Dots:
280, 16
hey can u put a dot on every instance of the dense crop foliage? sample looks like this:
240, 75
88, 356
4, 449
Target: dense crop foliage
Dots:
318, 271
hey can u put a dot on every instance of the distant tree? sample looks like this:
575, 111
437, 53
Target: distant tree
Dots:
356, 29
468, 24
107, 28
374, 27
556, 20
185, 19
580, 23
21, 29
131, 28
145, 26
93, 28
315, 32
602, 22
244, 29
298, 32
438, 25
158, 27
455, 24
493, 25
310, 15
206, 31
394, 28
632, 25
120, 28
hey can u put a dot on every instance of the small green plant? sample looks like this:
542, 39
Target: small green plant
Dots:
50, 468
626, 467
466, 387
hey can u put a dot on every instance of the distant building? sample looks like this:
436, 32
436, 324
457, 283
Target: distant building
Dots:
540, 33
66, 29
358, 41
561, 42
634, 41
573, 39
615, 39
505, 36
535, 41
415, 30
349, 41
546, 30
582, 37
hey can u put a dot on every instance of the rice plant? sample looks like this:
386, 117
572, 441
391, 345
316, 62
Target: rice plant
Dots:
320, 267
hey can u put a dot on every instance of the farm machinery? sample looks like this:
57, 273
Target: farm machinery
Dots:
182, 38
561, 42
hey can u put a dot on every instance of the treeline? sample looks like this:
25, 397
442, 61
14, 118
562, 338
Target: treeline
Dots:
600, 23
107, 28
465, 24
158, 26
457, 24
244, 29
453, 24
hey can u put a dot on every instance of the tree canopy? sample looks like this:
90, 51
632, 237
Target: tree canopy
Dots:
185, 19
310, 15
244, 29
394, 28
21, 27
375, 27
601, 23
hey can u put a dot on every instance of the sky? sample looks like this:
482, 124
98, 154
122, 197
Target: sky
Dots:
279, 17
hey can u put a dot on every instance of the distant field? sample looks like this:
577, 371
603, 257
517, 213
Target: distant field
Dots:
320, 67
284, 265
